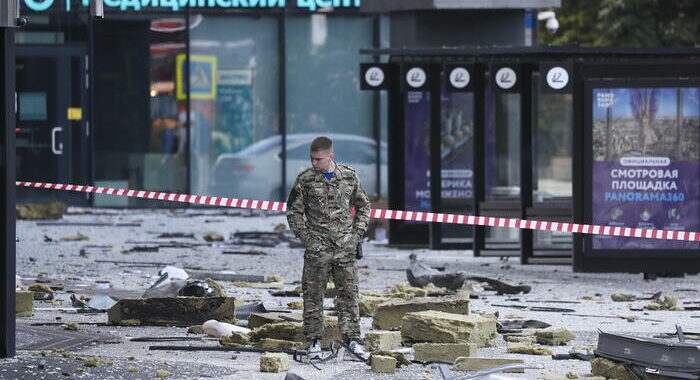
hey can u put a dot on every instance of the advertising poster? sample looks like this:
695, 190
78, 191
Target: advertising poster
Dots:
646, 163
456, 148
234, 111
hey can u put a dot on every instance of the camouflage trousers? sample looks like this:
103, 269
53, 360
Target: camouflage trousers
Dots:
320, 261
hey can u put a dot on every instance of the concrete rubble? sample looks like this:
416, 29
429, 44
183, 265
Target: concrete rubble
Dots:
383, 364
554, 337
382, 340
159, 311
399, 322
444, 352
389, 315
24, 305
476, 364
274, 362
440, 327
528, 349
40, 211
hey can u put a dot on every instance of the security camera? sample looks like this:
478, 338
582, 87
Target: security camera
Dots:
21, 21
551, 23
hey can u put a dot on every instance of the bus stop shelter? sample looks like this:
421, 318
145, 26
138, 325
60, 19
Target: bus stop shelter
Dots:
604, 136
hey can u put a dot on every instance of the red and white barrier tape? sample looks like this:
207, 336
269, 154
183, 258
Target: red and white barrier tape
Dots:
417, 216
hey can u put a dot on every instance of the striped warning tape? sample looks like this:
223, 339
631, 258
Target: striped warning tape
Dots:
417, 216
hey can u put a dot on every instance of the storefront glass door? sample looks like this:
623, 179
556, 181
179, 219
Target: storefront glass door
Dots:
51, 130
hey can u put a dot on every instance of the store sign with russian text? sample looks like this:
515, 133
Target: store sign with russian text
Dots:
177, 5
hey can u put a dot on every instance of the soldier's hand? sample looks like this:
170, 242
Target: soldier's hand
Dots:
358, 252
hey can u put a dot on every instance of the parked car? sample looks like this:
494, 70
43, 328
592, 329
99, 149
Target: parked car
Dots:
256, 171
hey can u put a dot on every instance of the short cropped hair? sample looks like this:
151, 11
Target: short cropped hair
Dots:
321, 143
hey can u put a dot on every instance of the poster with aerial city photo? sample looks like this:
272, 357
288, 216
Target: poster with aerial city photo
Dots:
646, 163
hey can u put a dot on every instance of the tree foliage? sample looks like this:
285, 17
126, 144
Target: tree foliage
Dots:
625, 23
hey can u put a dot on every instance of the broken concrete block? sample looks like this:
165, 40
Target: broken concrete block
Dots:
554, 337
37, 211
400, 358
477, 364
389, 315
274, 278
235, 339
383, 364
259, 319
293, 331
282, 330
218, 329
407, 291
443, 352
528, 349
162, 374
258, 285
213, 236
182, 310
621, 297
526, 337
41, 291
24, 304
440, 327
274, 362
278, 344
382, 340
610, 370
72, 326
368, 304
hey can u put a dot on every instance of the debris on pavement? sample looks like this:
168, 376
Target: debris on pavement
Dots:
443, 352
40, 211
213, 237
420, 275
382, 340
633, 355
528, 349
554, 337
383, 364
665, 303
218, 329
24, 305
439, 327
42, 292
274, 362
77, 237
171, 310
469, 364
389, 315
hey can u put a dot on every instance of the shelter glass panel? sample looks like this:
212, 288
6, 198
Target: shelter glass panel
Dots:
502, 162
457, 155
234, 95
140, 135
322, 93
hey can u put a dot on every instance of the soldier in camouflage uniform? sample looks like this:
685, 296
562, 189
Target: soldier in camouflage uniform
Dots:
324, 195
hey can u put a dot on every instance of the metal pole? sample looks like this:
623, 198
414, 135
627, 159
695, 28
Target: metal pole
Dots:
7, 168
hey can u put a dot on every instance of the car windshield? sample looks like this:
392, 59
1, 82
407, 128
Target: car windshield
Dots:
262, 146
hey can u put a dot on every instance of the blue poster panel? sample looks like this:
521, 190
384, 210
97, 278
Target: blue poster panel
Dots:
456, 148
234, 111
646, 163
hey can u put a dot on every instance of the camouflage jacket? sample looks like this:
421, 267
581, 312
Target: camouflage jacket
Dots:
326, 204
